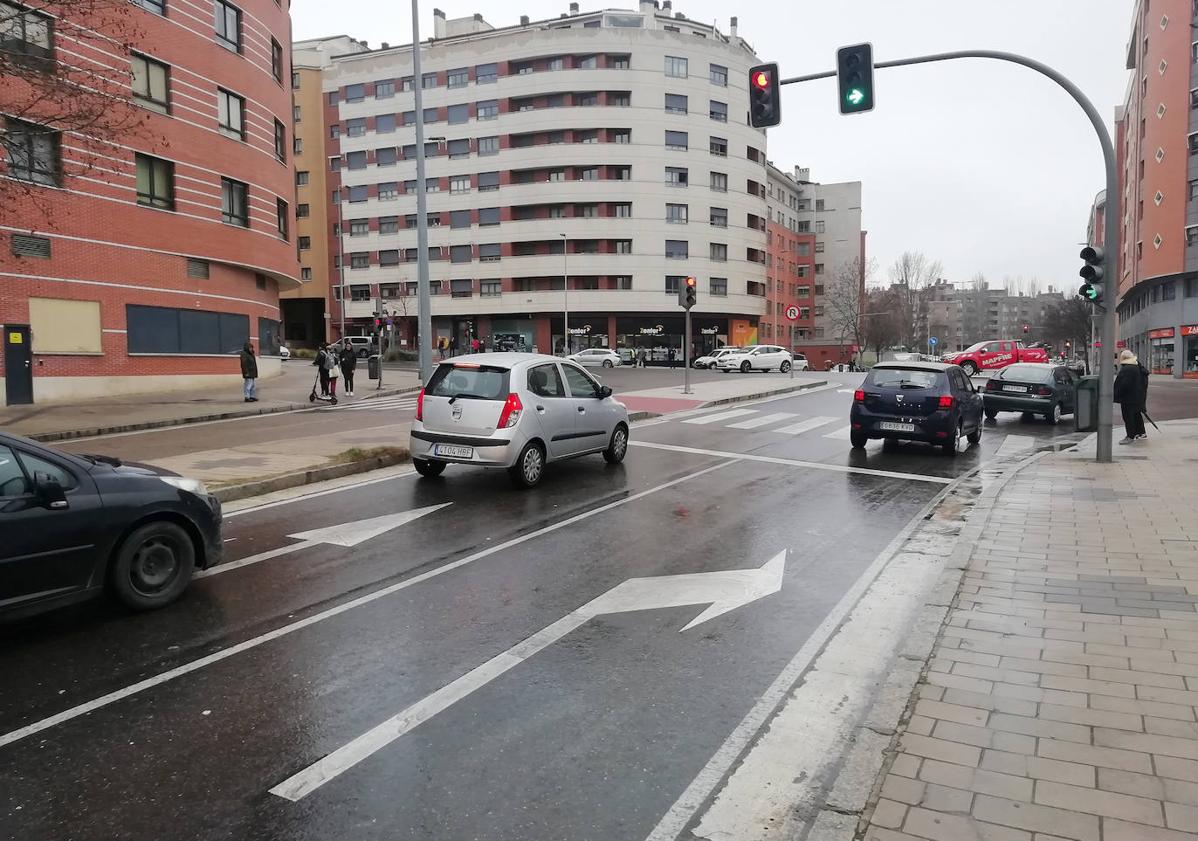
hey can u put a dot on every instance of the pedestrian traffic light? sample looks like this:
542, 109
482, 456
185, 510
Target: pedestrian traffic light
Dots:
1026, 329
1092, 273
688, 292
855, 78
765, 101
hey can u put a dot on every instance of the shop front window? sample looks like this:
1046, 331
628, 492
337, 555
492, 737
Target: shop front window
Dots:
1162, 356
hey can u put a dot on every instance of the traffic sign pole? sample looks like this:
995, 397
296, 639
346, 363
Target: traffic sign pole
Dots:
686, 356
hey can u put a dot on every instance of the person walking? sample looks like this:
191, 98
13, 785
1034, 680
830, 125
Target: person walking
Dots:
249, 373
671, 356
474, 345
333, 365
349, 364
453, 346
641, 361
322, 370
1131, 393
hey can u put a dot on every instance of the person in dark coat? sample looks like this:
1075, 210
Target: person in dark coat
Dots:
322, 368
671, 356
349, 364
249, 373
1131, 393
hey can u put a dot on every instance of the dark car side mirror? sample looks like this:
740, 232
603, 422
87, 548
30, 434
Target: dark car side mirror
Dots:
604, 392
49, 491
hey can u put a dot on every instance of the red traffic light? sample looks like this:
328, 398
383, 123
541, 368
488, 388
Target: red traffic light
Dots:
761, 79
690, 281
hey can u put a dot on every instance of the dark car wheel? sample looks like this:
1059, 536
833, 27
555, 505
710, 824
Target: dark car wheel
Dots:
529, 468
152, 566
975, 437
745, 367
953, 444
991, 414
1054, 417
607, 363
970, 368
858, 439
617, 448
785, 368
363, 353
428, 468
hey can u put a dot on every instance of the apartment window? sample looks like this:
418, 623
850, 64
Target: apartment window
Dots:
719, 182
459, 78
718, 146
719, 75
623, 246
388, 190
1193, 141
359, 260
228, 25
675, 103
676, 67
819, 268
556, 64
151, 81
488, 182
459, 184
719, 252
388, 224
155, 182
819, 248
819, 226
334, 130
304, 243
803, 249
803, 228
717, 111
556, 175
677, 249
158, 7
590, 136
281, 218
587, 62
305, 273
490, 288
355, 93
488, 110
460, 254
358, 194
231, 108
619, 99
385, 156
676, 176
280, 141
719, 217
488, 216
384, 124
620, 136
819, 205
589, 174
431, 115
458, 114
297, 145
489, 252
32, 152
234, 202
459, 219
359, 227
673, 281
619, 173
619, 62
405, 84
428, 80
355, 160
676, 140
623, 210
276, 60
356, 127
384, 89
488, 146
486, 74
718, 286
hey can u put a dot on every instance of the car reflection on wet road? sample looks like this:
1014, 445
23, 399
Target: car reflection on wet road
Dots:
407, 658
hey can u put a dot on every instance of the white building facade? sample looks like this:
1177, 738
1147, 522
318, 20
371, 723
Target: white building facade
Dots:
608, 148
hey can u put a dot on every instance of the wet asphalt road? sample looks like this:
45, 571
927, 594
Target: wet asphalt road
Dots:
593, 737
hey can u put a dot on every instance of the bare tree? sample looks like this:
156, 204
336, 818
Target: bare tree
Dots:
910, 274
65, 82
882, 320
846, 301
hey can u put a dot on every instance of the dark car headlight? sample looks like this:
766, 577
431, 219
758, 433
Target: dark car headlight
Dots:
192, 486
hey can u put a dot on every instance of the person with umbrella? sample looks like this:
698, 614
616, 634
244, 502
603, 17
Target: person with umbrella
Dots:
1131, 393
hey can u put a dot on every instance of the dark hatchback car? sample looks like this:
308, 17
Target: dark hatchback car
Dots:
1033, 389
916, 401
73, 527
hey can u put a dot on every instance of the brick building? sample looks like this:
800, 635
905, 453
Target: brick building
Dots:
144, 261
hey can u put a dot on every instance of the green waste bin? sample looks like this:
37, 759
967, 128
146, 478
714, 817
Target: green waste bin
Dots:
1085, 414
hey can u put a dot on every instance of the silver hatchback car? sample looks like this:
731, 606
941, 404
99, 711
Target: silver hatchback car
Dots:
517, 411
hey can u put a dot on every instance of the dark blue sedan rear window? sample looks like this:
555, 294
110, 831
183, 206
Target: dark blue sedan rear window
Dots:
900, 377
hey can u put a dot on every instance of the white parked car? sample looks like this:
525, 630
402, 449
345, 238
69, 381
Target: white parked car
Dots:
758, 358
597, 358
709, 360
284, 352
800, 361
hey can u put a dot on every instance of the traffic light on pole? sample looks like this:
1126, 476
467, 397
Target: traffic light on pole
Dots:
855, 78
1092, 273
765, 100
688, 293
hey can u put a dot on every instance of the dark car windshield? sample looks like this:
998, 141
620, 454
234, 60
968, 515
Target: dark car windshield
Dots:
902, 378
480, 382
1026, 373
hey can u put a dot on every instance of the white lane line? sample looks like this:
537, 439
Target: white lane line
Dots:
1015, 444
765, 420
253, 559
841, 434
803, 426
314, 494
344, 607
790, 462
772, 398
722, 416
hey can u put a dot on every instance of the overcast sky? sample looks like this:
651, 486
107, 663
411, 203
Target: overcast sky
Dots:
983, 165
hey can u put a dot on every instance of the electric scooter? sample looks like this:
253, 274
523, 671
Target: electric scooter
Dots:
314, 396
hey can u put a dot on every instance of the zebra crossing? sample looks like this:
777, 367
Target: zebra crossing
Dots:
381, 404
783, 423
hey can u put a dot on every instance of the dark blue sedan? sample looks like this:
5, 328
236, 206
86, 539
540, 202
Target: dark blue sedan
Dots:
917, 401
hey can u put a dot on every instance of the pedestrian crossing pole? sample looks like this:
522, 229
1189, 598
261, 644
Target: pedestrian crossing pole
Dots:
686, 356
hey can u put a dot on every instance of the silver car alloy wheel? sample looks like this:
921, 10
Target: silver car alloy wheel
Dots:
620, 444
532, 465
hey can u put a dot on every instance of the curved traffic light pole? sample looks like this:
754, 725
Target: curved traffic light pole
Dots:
1106, 360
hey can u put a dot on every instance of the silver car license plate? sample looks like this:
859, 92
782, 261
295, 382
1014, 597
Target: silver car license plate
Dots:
892, 426
1019, 388
453, 451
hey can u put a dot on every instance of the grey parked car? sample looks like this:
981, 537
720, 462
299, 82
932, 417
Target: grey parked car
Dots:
517, 411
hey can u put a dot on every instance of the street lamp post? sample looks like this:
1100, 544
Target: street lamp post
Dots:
340, 260
424, 329
565, 296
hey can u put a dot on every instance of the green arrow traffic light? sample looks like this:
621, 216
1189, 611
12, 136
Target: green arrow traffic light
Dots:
855, 96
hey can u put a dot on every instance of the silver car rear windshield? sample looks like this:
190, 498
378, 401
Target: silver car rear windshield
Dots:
477, 382
902, 378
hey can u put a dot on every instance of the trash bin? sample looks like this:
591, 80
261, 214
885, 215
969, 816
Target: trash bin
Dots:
372, 367
1085, 415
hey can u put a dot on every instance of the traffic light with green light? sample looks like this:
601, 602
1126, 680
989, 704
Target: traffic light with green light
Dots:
765, 100
1092, 273
855, 78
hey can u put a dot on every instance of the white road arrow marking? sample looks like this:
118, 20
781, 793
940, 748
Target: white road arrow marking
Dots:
721, 591
345, 534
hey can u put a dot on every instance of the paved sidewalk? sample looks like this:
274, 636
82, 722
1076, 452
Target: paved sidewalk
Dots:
286, 392
1060, 699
